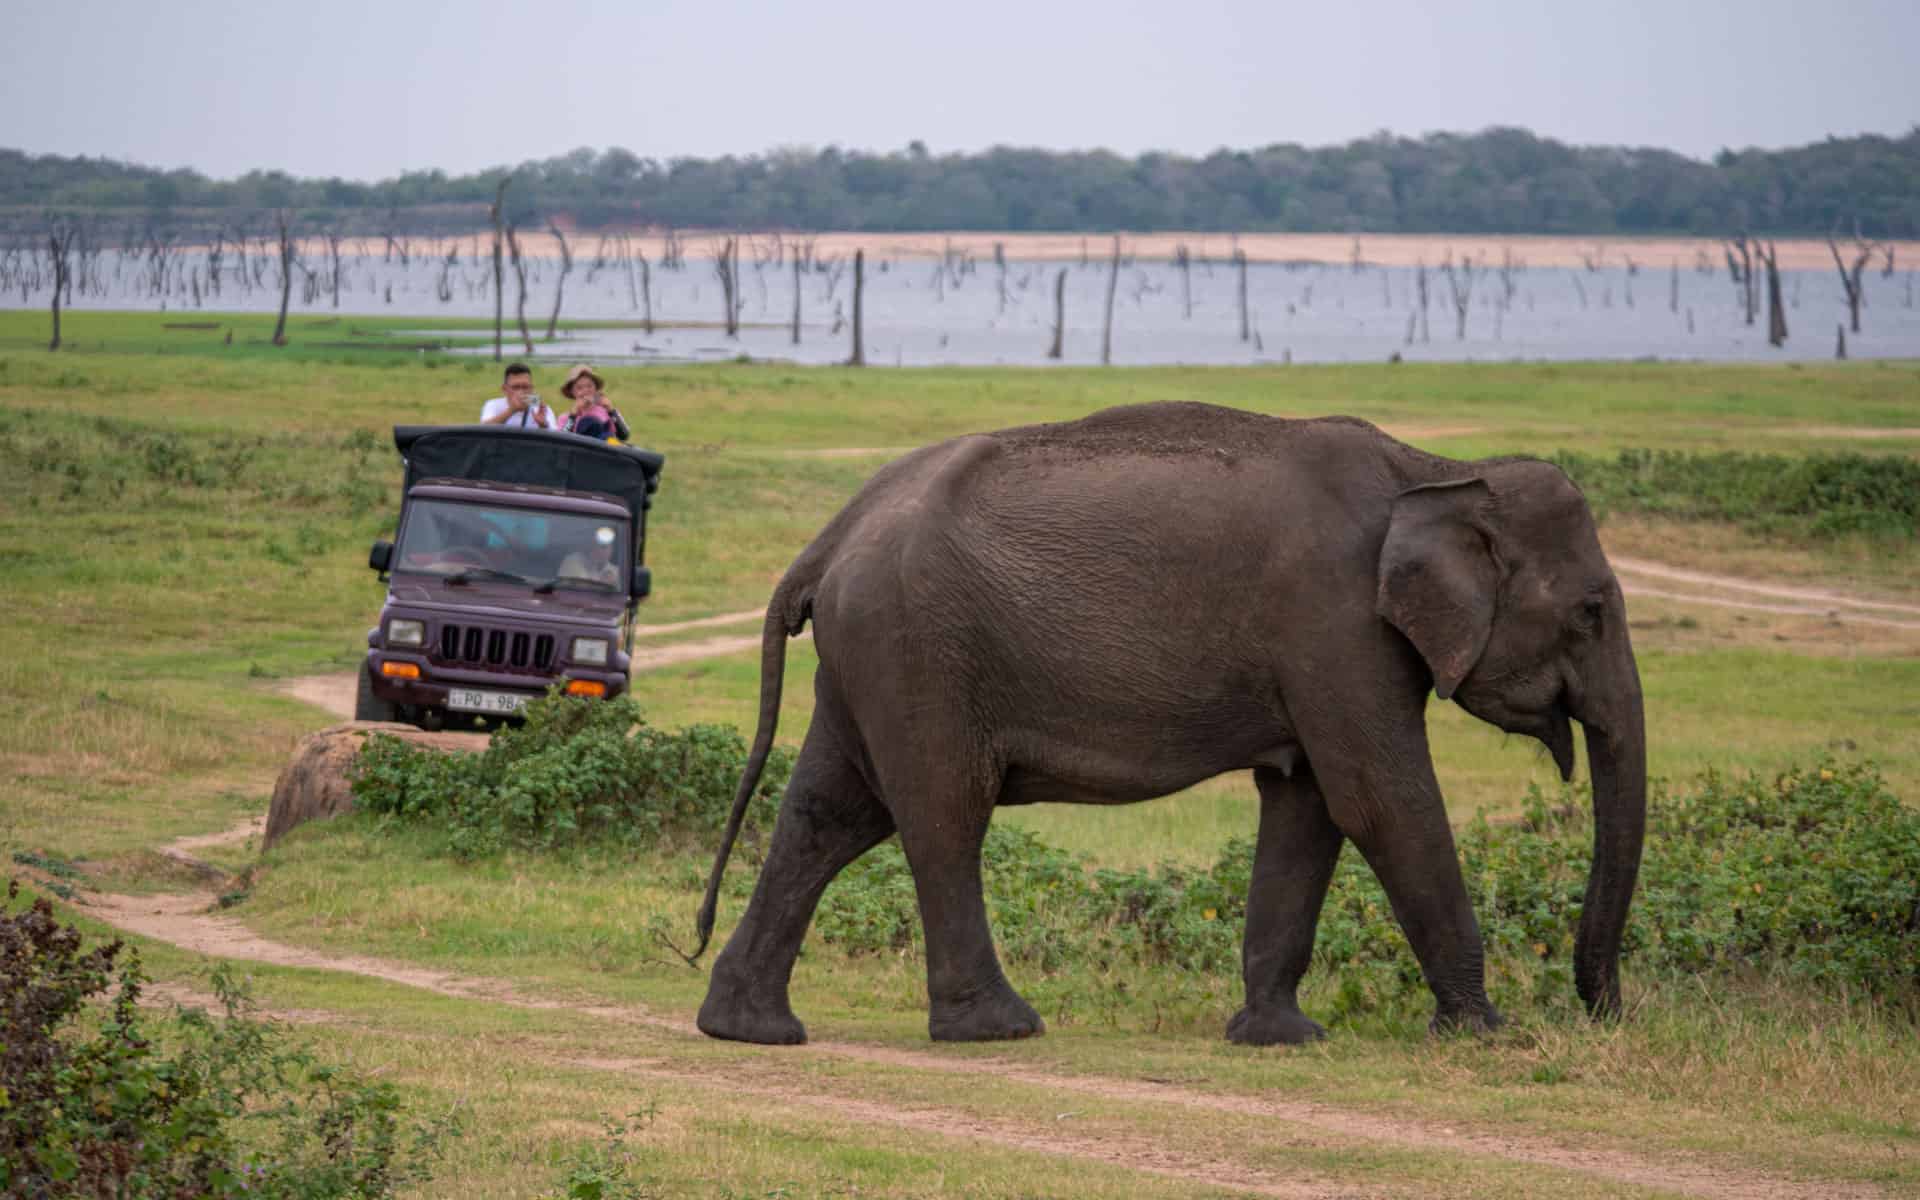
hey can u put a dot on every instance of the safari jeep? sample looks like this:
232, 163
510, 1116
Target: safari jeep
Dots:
518, 564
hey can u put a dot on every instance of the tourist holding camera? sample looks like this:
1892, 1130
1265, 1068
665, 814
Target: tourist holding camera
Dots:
521, 406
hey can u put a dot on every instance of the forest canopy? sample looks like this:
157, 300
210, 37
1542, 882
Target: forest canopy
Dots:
1499, 180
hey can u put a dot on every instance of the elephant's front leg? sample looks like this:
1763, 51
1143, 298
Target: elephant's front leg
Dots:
1395, 816
969, 998
1292, 866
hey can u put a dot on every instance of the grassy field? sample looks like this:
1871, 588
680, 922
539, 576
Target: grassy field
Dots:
183, 524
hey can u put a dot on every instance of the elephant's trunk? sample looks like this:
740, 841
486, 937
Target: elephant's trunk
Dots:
1617, 756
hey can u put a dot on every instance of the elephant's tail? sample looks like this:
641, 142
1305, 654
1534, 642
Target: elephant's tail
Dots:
787, 613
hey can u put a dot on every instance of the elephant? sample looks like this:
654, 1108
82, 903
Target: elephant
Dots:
1112, 609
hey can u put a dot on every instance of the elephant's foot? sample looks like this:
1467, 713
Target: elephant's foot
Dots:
740, 1015
995, 1014
1273, 1025
1478, 1016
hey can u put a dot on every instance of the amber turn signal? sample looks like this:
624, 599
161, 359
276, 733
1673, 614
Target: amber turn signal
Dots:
585, 687
399, 670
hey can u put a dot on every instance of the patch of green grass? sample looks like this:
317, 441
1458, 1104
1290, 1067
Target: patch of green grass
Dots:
1816, 496
183, 526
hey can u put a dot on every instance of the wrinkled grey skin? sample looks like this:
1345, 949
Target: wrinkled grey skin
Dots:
1114, 609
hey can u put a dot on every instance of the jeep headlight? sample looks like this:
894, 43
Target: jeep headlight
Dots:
590, 651
402, 632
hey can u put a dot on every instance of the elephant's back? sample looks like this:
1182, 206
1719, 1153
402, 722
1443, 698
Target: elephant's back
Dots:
1173, 430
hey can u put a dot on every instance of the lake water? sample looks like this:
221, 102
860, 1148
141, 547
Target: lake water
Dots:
968, 311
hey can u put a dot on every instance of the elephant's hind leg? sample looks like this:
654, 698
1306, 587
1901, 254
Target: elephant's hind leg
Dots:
829, 818
1292, 865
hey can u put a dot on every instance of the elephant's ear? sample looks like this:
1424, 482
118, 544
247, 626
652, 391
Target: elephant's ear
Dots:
1438, 577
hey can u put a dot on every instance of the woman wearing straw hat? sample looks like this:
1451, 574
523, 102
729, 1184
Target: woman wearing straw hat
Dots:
592, 416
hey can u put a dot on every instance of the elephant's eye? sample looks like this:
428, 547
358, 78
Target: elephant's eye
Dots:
1591, 610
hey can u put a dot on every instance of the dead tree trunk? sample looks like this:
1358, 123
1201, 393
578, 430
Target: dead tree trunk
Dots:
859, 356
1000, 262
646, 292
725, 264
333, 266
520, 278
1673, 289
1850, 276
1840, 341
1113, 284
1420, 284
283, 225
499, 268
1183, 259
560, 284
1059, 312
240, 254
1742, 271
1246, 325
1460, 286
1776, 311
626, 253
60, 236
796, 299
216, 250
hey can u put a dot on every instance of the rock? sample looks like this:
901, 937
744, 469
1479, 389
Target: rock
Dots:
314, 784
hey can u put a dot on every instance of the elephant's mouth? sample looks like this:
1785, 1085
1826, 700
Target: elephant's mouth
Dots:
1550, 724
1556, 733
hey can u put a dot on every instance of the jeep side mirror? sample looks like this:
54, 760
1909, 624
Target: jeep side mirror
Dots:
380, 556
642, 581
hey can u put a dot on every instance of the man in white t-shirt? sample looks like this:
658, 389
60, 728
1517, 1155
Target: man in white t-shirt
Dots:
520, 407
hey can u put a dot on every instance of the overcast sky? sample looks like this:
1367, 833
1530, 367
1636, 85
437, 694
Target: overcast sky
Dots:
365, 89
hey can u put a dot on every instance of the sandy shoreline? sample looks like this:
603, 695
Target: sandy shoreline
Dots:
1651, 254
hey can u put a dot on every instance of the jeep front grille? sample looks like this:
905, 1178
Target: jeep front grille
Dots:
477, 646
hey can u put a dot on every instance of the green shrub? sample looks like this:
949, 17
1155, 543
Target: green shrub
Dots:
576, 771
1818, 496
122, 1104
1815, 874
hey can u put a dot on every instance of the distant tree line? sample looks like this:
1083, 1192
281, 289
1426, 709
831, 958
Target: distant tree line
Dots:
1501, 180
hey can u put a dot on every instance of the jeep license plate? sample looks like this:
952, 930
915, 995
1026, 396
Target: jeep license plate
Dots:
477, 701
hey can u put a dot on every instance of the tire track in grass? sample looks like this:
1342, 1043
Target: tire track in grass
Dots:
185, 920
1789, 610
1760, 595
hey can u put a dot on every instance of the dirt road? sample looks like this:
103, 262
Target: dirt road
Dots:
193, 922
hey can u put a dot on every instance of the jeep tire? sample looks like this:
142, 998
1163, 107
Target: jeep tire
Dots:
366, 705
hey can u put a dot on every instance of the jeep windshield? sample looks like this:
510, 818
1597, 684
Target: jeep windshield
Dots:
470, 543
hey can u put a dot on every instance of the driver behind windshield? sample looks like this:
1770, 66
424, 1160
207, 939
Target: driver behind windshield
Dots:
594, 561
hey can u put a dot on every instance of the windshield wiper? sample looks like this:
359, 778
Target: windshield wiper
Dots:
471, 573
544, 588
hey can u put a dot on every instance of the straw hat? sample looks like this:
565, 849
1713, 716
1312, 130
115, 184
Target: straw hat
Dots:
566, 387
